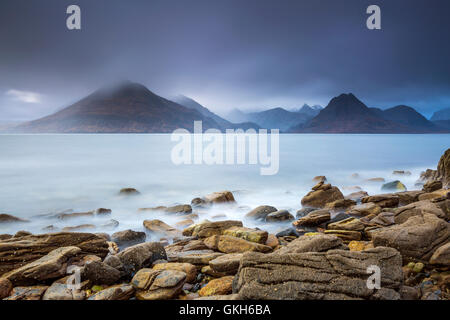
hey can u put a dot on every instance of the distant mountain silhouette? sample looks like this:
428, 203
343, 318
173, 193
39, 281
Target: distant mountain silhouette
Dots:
443, 114
125, 108
347, 114
276, 118
311, 111
224, 124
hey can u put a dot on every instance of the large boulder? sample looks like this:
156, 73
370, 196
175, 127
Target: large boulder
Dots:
417, 238
365, 209
335, 274
17, 252
261, 212
207, 228
228, 263
313, 243
100, 273
253, 235
320, 195
51, 266
158, 284
419, 208
394, 186
140, 256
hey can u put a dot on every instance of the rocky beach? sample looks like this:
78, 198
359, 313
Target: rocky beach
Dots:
322, 251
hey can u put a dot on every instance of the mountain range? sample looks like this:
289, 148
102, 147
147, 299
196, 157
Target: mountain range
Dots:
132, 108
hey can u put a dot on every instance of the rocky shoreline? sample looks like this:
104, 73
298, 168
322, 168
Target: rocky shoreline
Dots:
332, 242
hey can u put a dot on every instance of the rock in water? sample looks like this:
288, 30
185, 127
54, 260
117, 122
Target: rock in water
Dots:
432, 185
280, 215
331, 275
443, 169
320, 195
253, 235
207, 228
129, 192
394, 186
220, 197
16, 252
128, 238
7, 218
261, 212
417, 238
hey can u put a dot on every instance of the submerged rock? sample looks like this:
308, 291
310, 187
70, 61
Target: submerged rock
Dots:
394, 186
314, 218
7, 218
261, 212
129, 192
161, 228
280, 215
128, 238
335, 274
220, 197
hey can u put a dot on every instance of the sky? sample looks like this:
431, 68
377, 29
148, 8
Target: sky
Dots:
226, 54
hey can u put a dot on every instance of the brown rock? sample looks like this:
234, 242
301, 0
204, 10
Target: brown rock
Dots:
254, 235
180, 209
387, 200
166, 284
432, 185
27, 293
261, 212
434, 195
407, 197
443, 169
340, 205
196, 257
313, 218
7, 218
228, 244
351, 224
280, 215
51, 266
220, 197
441, 255
313, 243
206, 229
357, 196
100, 273
345, 235
128, 238
160, 228
129, 192
272, 241
365, 209
321, 195
78, 228
227, 263
5, 287
221, 286
419, 208
65, 216
117, 292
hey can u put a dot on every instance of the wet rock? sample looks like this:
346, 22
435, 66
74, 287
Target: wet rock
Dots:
253, 235
441, 193
5, 287
387, 200
261, 212
314, 218
196, 257
51, 266
280, 215
419, 208
117, 292
27, 293
394, 186
357, 196
320, 195
417, 238
195, 245
221, 286
220, 197
379, 179
365, 209
129, 192
7, 218
288, 232
227, 263
340, 205
335, 274
161, 228
158, 285
110, 224
228, 244
128, 238
432, 185
409, 293
103, 211
79, 228
303, 212
442, 255
207, 228
103, 236
407, 197
179, 209
22, 233
384, 219
66, 216
16, 252
272, 241
317, 179
100, 273
199, 203
443, 169
401, 173
189, 269
427, 175
315, 243
141, 256
351, 224
184, 223
5, 236
345, 235
355, 245
60, 291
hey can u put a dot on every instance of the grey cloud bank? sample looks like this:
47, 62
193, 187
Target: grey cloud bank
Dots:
225, 54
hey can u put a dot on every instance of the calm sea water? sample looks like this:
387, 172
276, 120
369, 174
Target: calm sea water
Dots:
43, 174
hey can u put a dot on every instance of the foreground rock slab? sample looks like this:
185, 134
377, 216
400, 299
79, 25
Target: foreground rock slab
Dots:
335, 274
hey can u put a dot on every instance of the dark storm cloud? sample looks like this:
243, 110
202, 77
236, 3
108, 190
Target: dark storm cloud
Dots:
225, 53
